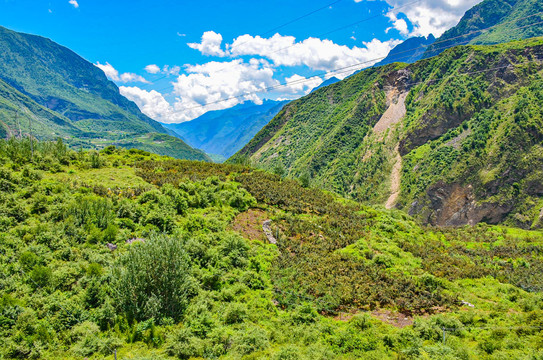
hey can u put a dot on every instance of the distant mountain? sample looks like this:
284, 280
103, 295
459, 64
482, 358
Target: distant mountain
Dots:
449, 148
224, 132
51, 91
325, 83
410, 51
509, 20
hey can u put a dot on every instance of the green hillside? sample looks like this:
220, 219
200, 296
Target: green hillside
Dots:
493, 22
47, 88
454, 139
154, 258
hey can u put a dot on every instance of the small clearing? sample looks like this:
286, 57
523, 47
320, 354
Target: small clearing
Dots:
395, 319
249, 224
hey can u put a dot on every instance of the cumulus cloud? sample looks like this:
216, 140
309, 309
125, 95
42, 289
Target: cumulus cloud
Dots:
152, 69
152, 103
430, 16
210, 44
113, 74
299, 84
215, 86
220, 85
109, 70
74, 3
398, 24
174, 70
315, 53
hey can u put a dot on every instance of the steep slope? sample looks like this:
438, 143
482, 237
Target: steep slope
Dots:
410, 51
470, 141
20, 115
67, 96
224, 132
508, 20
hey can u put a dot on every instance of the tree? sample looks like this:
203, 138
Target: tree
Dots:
153, 279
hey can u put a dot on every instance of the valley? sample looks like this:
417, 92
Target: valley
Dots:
232, 192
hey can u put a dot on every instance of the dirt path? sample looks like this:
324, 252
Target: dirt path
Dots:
393, 115
395, 178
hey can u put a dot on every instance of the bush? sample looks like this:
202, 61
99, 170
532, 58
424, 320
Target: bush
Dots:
235, 313
249, 340
183, 344
154, 274
40, 276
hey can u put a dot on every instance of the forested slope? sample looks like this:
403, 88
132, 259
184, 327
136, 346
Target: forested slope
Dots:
49, 91
470, 139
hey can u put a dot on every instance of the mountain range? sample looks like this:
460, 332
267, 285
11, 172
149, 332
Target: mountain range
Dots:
454, 139
49, 91
221, 133
493, 22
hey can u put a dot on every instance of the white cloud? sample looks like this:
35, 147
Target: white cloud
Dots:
174, 70
315, 53
74, 3
152, 69
398, 24
220, 85
113, 74
223, 84
152, 104
210, 44
109, 70
297, 84
430, 16
131, 77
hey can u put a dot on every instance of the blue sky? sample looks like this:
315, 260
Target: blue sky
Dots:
179, 59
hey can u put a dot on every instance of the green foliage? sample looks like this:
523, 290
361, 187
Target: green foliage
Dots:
153, 279
508, 20
206, 286
472, 130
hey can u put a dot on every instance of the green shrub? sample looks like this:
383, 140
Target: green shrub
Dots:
249, 340
159, 267
40, 276
235, 313
183, 344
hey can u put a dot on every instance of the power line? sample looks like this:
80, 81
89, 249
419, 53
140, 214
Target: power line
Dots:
350, 67
272, 30
321, 35
347, 69
301, 17
352, 24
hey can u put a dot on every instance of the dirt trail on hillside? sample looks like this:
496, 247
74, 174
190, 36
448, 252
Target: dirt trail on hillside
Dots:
395, 178
393, 115
395, 112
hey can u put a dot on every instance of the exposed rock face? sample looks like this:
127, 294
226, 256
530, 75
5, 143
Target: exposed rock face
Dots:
268, 231
456, 205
